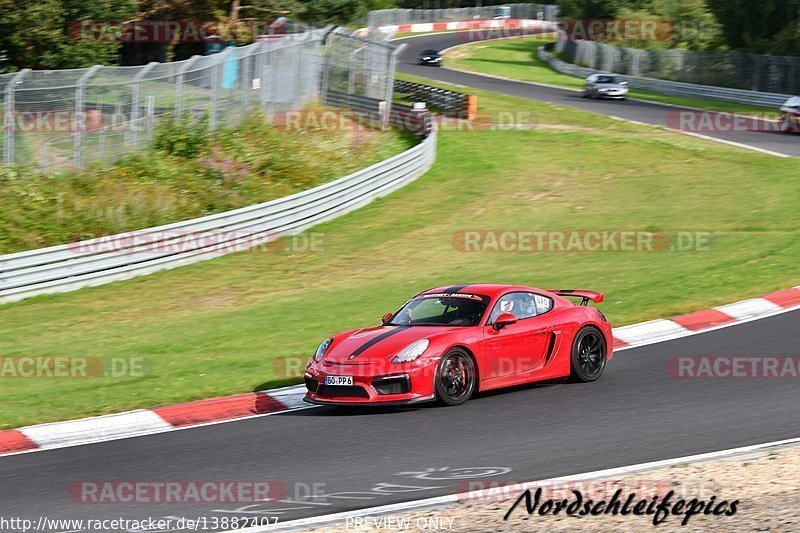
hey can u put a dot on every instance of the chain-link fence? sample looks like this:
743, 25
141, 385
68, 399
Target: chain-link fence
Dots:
721, 68
359, 67
388, 17
65, 118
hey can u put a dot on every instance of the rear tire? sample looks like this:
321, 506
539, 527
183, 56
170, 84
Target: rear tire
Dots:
455, 378
588, 359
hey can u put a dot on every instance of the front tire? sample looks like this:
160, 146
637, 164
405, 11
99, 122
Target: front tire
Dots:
786, 124
455, 378
588, 359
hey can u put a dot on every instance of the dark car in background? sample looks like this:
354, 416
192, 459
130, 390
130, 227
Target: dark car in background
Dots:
430, 57
605, 86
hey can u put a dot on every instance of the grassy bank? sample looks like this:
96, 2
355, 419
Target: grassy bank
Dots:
187, 175
241, 322
516, 58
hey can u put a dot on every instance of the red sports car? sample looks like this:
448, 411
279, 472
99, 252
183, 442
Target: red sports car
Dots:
446, 343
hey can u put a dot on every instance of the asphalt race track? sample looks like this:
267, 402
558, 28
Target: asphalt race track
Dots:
651, 113
332, 460
637, 412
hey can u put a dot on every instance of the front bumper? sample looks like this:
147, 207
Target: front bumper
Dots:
372, 385
615, 94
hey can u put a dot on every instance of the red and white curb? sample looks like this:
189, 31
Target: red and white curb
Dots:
255, 404
428, 27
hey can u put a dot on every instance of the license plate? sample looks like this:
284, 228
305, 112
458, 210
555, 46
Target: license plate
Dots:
339, 380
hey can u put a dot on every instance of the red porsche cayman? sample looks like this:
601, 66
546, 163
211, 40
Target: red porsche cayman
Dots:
446, 343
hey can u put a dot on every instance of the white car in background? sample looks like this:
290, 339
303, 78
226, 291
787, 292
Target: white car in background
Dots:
790, 115
605, 86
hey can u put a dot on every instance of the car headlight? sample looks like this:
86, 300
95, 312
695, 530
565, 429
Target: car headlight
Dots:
604, 90
411, 352
321, 349
426, 58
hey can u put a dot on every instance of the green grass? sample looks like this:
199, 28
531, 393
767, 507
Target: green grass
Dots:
516, 58
230, 325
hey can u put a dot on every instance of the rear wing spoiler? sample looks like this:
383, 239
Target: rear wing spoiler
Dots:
584, 294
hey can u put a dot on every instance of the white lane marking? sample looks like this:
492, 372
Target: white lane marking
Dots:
92, 429
652, 330
749, 308
731, 143
452, 498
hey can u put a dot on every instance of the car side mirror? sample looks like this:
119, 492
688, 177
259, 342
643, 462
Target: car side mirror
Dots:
386, 318
505, 319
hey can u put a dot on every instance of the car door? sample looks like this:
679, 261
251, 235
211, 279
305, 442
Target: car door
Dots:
519, 347
588, 85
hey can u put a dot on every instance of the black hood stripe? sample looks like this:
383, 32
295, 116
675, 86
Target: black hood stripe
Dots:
375, 340
454, 288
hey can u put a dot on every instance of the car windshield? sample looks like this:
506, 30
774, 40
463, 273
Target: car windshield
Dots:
430, 53
607, 79
444, 309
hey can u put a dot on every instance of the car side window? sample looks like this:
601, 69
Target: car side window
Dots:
543, 303
520, 304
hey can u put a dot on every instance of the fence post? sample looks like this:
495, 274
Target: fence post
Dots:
390, 82
78, 119
266, 76
179, 84
135, 94
216, 81
297, 56
246, 79
9, 124
326, 65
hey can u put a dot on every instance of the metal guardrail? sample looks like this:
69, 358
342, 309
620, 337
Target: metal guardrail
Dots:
371, 111
434, 97
72, 266
673, 88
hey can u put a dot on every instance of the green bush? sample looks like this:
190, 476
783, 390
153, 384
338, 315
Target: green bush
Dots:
184, 136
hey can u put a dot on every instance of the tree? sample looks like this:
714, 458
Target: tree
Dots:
42, 34
768, 26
